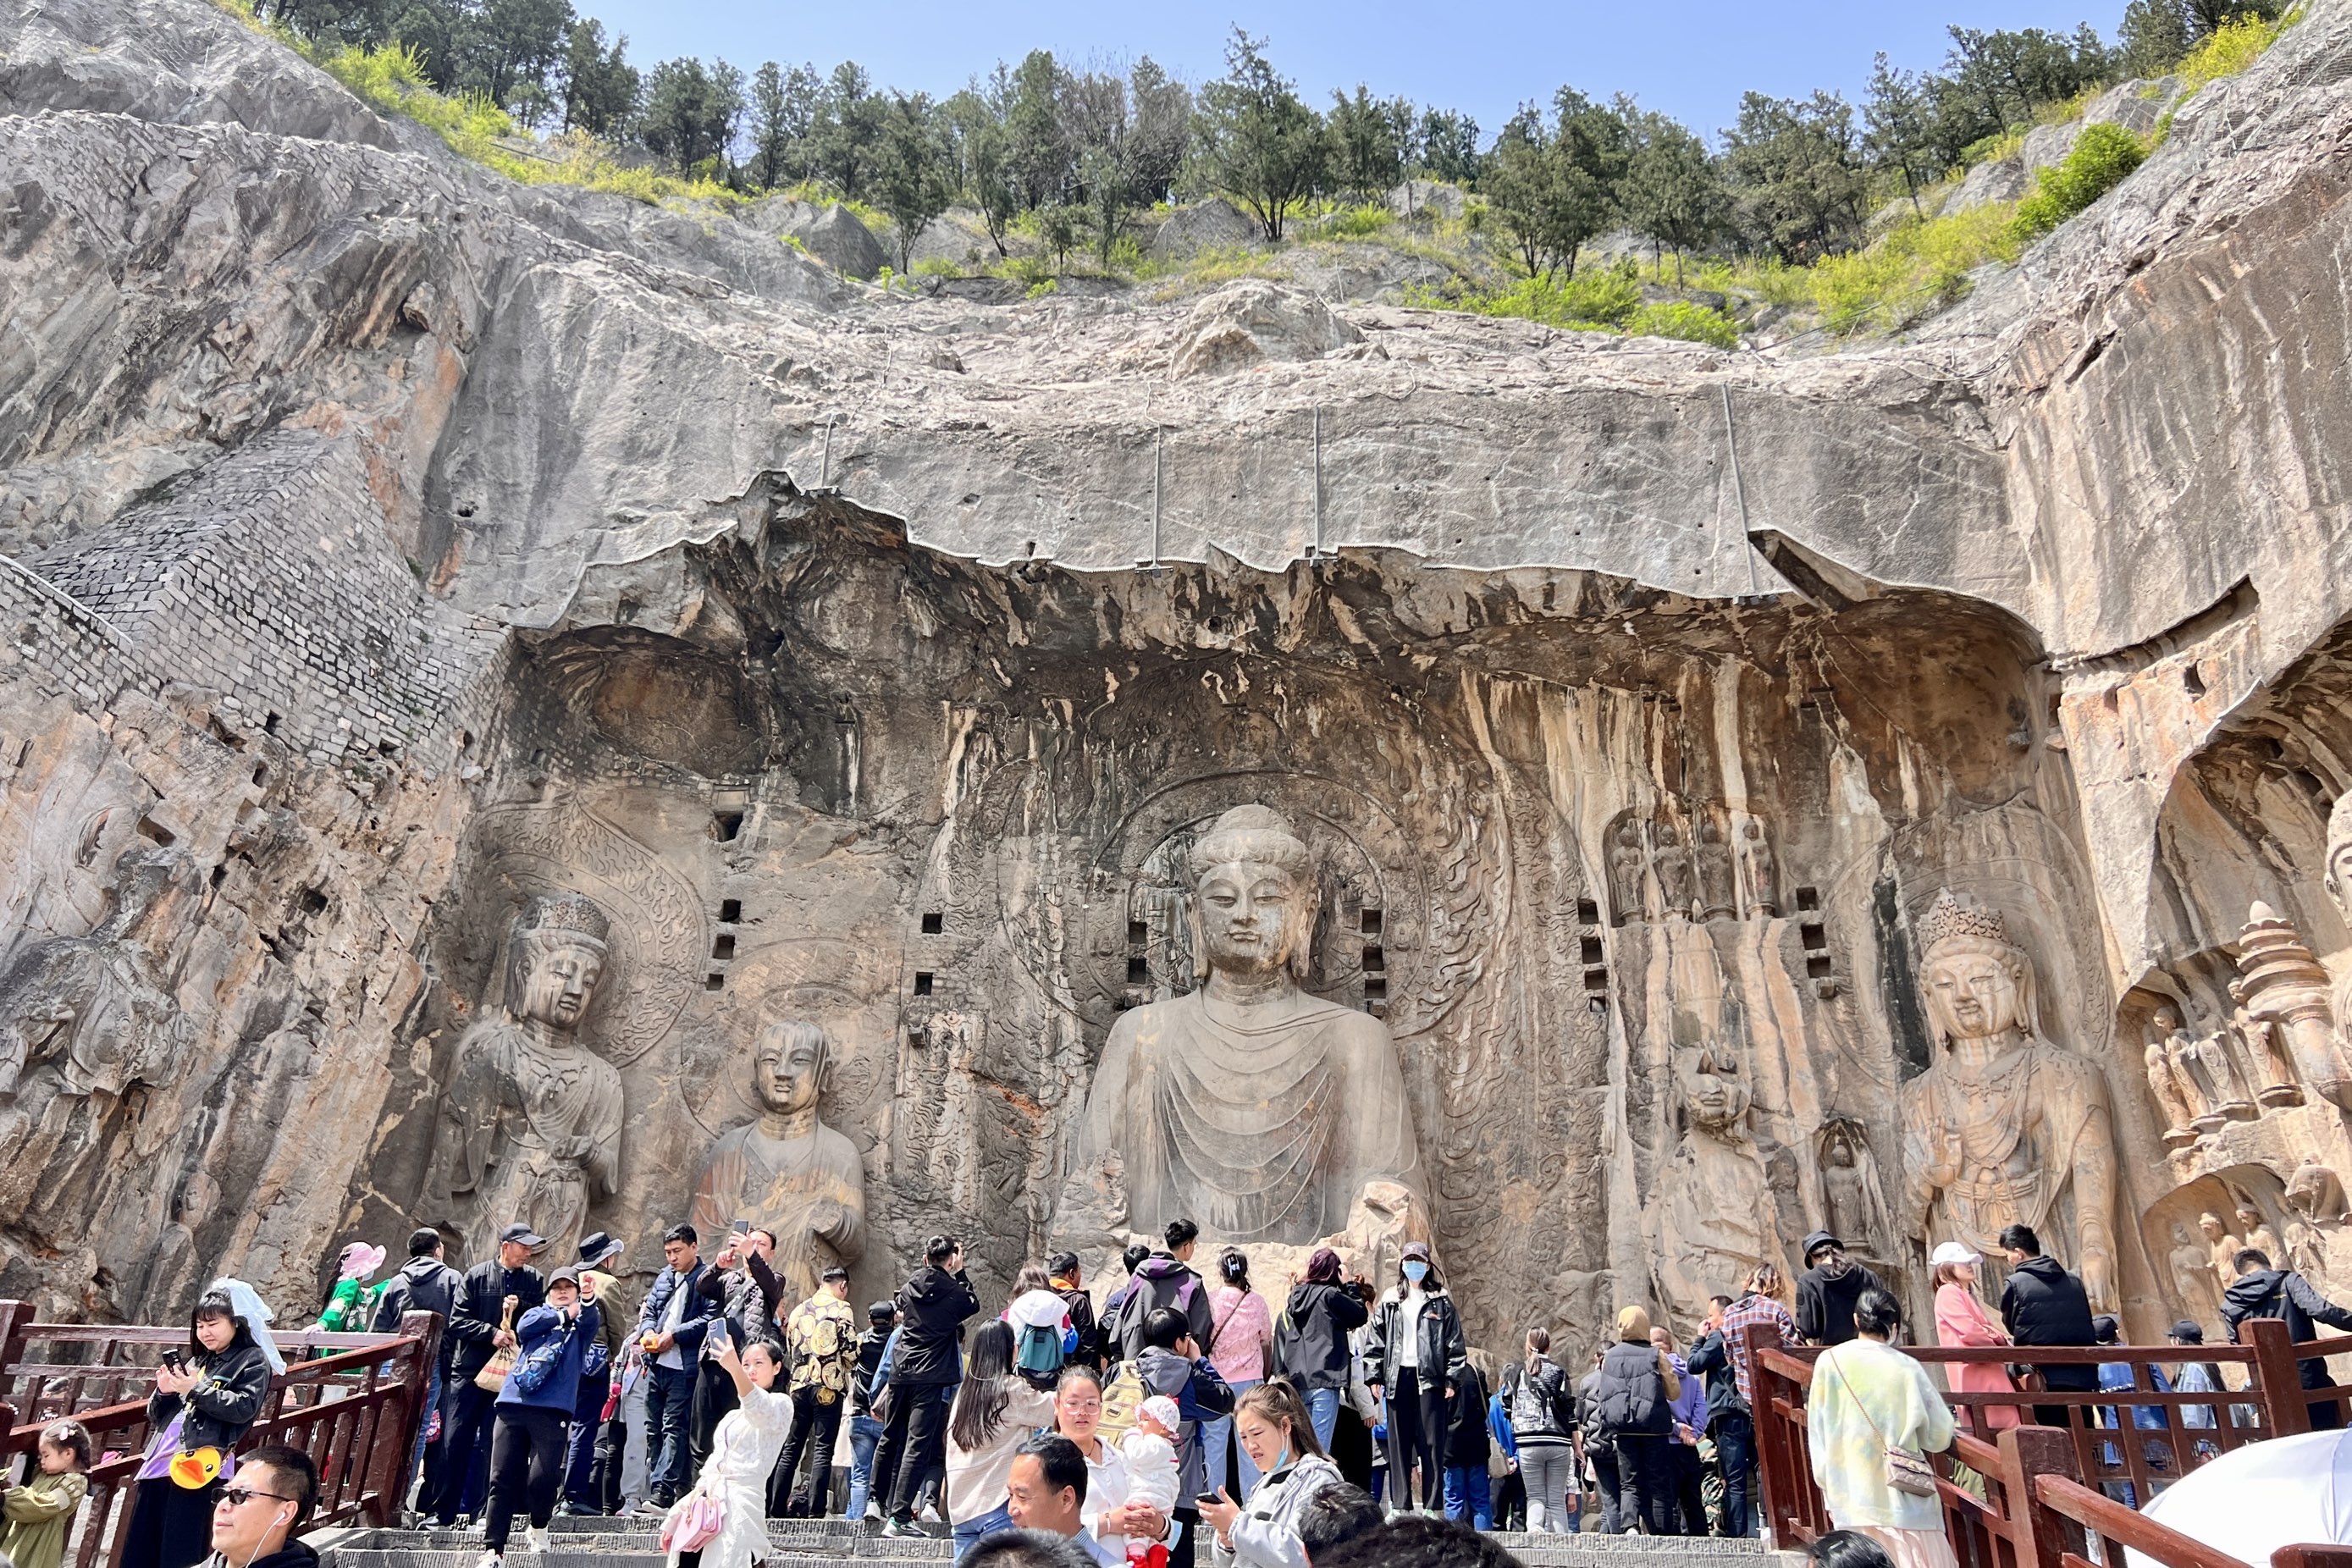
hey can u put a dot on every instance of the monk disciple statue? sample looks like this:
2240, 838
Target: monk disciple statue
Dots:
531, 1123
2004, 1126
1247, 1105
1713, 1219
788, 1172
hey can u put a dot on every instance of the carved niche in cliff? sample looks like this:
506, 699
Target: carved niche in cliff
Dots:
89, 1026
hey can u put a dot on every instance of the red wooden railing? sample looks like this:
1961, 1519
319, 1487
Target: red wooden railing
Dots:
354, 1407
2019, 1501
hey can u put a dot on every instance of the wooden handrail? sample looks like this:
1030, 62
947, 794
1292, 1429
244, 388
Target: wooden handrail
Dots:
2127, 1527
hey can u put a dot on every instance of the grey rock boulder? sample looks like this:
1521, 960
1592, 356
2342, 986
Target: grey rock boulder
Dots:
1995, 180
1204, 226
831, 233
1253, 323
174, 65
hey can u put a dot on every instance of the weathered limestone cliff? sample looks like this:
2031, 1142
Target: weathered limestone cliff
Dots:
392, 547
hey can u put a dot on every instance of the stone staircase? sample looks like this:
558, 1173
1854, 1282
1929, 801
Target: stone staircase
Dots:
822, 1543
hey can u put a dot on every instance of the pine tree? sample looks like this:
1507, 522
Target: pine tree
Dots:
1260, 144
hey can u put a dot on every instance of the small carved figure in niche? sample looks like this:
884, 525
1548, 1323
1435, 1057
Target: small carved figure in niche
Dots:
2004, 1126
1719, 892
1713, 1219
84, 1020
788, 1172
2221, 1249
2264, 1047
2257, 1232
2177, 1047
1249, 1106
2316, 1193
1629, 866
531, 1121
1756, 870
2192, 1274
2171, 1101
1672, 863
2306, 1249
1851, 1198
2214, 1061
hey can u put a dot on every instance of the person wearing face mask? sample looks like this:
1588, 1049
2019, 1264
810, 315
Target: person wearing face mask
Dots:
256, 1515
1275, 1430
1412, 1352
1827, 1290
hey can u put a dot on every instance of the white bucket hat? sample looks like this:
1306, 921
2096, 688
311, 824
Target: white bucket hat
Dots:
1953, 1252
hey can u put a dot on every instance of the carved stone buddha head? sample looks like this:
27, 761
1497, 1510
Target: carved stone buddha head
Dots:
793, 1056
1979, 984
2338, 876
1254, 896
554, 959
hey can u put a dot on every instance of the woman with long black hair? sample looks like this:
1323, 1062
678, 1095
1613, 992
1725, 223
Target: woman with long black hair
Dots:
202, 1403
995, 1412
1411, 1355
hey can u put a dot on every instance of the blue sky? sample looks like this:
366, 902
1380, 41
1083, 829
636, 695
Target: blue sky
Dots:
1692, 58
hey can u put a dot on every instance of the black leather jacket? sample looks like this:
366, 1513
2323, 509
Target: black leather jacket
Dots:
223, 1406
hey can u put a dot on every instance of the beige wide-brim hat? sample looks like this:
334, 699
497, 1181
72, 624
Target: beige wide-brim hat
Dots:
1953, 1252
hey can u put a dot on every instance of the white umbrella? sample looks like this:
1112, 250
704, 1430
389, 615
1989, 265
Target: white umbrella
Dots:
2253, 1501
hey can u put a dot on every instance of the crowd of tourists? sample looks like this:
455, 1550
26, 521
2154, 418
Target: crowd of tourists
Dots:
1191, 1420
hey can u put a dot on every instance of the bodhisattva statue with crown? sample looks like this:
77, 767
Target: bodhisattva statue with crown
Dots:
789, 1172
2004, 1128
530, 1126
1247, 1105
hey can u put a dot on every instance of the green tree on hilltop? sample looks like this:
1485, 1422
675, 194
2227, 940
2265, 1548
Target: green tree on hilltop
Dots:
1794, 166
1671, 193
599, 86
783, 118
913, 169
1369, 139
692, 111
1259, 143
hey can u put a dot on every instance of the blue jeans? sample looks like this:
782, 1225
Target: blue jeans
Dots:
669, 1401
968, 1531
424, 1424
1469, 1496
580, 1446
1735, 1449
864, 1432
1216, 1440
1323, 1414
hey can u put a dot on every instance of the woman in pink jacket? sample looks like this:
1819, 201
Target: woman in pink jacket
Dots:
1962, 1322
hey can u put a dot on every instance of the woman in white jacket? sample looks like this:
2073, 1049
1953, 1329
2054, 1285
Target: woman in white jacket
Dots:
1276, 1433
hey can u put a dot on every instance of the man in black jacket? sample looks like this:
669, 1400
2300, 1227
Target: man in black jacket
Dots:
1729, 1420
424, 1284
1163, 1280
671, 1327
928, 1363
1063, 1269
1827, 1290
496, 1293
2263, 1291
742, 1289
865, 1432
2044, 1305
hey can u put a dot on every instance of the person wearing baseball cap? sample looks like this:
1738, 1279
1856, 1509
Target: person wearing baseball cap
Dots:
591, 1434
534, 1406
1963, 1322
499, 1291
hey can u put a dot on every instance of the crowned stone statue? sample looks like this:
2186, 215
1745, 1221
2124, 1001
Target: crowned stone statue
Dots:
1247, 1105
530, 1125
2004, 1128
788, 1173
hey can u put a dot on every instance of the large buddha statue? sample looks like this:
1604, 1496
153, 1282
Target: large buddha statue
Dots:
531, 1122
1247, 1105
789, 1172
2004, 1126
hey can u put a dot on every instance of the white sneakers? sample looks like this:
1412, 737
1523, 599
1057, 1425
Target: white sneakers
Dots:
535, 1537
490, 1560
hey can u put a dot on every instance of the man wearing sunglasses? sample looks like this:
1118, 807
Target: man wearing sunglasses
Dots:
256, 1514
